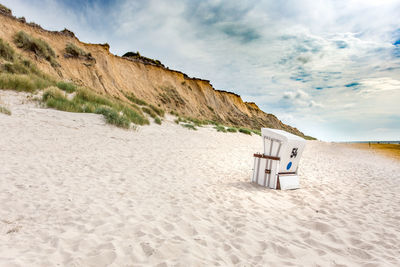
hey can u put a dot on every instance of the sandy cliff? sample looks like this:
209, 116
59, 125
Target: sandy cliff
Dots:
113, 75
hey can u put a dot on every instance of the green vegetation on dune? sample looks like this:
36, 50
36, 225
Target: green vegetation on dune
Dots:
38, 46
5, 9
22, 82
160, 112
149, 109
113, 117
189, 126
72, 51
150, 112
245, 131
309, 137
20, 74
85, 101
66, 86
220, 128
131, 97
147, 60
232, 129
5, 110
157, 120
191, 123
257, 132
6, 51
55, 98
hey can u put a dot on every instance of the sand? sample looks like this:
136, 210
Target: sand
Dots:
77, 192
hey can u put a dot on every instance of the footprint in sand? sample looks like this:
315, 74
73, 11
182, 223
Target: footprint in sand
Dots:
147, 249
322, 227
168, 227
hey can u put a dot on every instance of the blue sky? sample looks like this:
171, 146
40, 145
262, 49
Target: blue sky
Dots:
330, 68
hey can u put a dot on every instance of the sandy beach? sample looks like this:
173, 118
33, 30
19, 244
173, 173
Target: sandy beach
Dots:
75, 191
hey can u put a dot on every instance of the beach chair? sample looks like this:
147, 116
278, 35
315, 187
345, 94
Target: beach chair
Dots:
277, 167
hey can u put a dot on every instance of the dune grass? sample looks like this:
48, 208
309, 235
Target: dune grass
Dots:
6, 51
245, 131
220, 128
150, 112
172, 112
66, 86
257, 132
113, 117
55, 98
23, 82
131, 97
73, 51
85, 101
157, 120
5, 110
160, 112
189, 126
38, 46
232, 129
20, 74
150, 109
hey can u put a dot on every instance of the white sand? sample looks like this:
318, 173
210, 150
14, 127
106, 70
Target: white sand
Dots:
77, 192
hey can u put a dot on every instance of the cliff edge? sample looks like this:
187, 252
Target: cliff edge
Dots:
147, 79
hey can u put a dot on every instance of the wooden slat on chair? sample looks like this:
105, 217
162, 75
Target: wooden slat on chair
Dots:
266, 157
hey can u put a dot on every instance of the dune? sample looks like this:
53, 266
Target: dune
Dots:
75, 191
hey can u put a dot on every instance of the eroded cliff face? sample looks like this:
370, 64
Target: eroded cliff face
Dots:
112, 75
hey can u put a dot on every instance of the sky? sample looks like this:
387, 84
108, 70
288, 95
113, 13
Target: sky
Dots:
330, 68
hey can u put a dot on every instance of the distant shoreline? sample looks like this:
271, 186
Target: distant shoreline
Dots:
371, 142
386, 148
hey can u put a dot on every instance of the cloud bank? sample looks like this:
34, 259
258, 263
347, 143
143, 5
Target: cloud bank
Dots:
330, 68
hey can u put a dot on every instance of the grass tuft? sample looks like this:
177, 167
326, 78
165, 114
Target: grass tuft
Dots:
85, 95
150, 112
38, 46
20, 74
160, 112
131, 97
189, 126
5, 110
73, 51
113, 117
116, 113
15, 68
55, 98
66, 86
172, 112
23, 82
232, 129
6, 51
245, 131
157, 120
220, 128
132, 115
